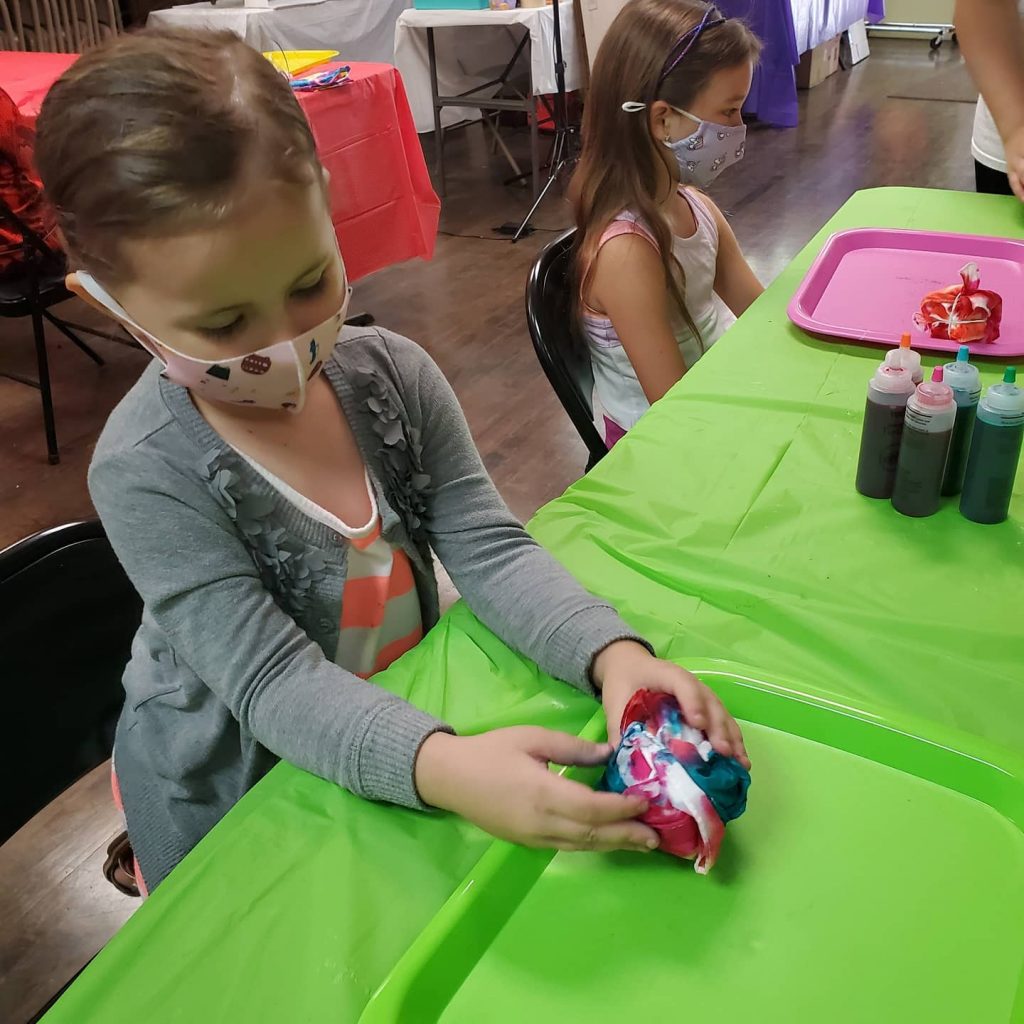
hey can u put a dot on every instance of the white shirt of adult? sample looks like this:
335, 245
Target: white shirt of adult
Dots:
986, 144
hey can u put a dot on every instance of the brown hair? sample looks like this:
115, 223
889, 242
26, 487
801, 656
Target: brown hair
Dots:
620, 168
152, 133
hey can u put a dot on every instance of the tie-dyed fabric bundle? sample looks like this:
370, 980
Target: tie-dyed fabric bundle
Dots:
692, 790
964, 312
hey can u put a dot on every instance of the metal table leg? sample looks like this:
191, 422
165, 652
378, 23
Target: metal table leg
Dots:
534, 145
438, 130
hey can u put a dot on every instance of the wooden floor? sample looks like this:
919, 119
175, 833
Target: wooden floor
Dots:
56, 907
903, 117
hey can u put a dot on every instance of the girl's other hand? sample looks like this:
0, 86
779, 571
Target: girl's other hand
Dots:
500, 781
624, 667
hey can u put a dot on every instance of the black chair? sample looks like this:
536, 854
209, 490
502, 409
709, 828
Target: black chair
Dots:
67, 618
30, 291
561, 350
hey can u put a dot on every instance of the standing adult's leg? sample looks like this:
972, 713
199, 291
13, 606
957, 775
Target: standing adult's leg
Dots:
990, 181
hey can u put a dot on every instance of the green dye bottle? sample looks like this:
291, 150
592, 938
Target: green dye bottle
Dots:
995, 452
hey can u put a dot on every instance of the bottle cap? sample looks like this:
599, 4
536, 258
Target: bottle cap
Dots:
1006, 397
934, 394
904, 355
964, 379
962, 376
893, 380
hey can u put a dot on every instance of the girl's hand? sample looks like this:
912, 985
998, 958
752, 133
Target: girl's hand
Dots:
624, 667
501, 782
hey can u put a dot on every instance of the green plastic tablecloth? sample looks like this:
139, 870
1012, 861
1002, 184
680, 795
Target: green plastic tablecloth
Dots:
726, 526
729, 526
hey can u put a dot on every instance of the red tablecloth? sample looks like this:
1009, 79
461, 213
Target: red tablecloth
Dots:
27, 77
382, 203
384, 207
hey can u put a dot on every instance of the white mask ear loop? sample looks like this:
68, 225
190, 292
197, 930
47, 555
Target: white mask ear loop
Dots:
105, 299
686, 113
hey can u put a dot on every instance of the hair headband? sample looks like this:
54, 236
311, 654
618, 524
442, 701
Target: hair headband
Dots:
683, 45
689, 38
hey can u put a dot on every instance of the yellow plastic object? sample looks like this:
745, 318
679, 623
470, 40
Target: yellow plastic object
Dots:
294, 62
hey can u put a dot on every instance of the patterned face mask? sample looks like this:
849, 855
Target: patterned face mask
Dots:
703, 155
274, 377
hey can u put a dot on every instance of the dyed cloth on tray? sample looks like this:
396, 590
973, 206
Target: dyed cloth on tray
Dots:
963, 312
693, 790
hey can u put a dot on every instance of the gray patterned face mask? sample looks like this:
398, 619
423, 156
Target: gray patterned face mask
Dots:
703, 155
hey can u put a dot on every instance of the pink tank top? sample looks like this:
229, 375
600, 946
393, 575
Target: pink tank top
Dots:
619, 400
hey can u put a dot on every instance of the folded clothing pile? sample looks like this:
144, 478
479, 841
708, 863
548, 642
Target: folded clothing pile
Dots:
692, 790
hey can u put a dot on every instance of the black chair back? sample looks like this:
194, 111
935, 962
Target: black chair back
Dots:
67, 618
37, 258
563, 356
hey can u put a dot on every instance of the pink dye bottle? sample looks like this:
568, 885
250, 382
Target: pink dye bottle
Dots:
924, 449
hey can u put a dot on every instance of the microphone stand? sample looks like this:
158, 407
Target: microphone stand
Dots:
564, 148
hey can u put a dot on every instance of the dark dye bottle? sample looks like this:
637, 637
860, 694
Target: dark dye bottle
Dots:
965, 382
884, 412
924, 448
995, 452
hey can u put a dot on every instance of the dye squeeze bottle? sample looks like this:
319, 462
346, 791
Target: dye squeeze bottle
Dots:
906, 358
884, 412
965, 381
994, 452
924, 448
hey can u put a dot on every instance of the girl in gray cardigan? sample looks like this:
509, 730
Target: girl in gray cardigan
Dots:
275, 485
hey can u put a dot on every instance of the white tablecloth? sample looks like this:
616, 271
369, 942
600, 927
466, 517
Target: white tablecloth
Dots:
472, 47
816, 21
360, 30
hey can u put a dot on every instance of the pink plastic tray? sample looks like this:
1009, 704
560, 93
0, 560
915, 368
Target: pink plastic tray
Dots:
866, 285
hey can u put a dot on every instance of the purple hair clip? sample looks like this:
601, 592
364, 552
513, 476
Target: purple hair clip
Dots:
689, 38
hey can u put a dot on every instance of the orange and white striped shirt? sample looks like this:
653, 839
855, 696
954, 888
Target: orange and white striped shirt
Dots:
380, 608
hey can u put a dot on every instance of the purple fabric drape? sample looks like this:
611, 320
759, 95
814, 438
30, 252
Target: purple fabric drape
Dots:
773, 92
788, 28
